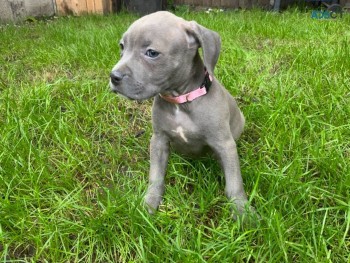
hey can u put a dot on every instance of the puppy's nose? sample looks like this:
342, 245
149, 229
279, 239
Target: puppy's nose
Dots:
116, 76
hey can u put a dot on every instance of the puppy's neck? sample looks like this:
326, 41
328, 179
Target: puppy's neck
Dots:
194, 81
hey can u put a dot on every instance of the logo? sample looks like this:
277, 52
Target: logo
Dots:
325, 14
332, 11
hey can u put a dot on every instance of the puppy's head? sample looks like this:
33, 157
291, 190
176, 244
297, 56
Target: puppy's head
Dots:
158, 53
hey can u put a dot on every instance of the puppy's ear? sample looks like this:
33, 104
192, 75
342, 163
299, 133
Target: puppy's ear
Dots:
208, 40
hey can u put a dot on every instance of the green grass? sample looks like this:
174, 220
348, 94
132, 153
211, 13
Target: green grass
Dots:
74, 158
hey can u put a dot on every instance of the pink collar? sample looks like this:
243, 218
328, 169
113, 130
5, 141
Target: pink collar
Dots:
194, 94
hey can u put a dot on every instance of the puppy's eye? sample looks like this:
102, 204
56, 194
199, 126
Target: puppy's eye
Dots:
121, 49
152, 53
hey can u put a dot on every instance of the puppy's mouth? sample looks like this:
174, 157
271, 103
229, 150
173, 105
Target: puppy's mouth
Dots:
137, 94
118, 92
115, 90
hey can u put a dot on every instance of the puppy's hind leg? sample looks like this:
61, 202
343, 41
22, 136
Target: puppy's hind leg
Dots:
237, 125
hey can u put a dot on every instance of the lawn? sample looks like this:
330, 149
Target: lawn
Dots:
74, 157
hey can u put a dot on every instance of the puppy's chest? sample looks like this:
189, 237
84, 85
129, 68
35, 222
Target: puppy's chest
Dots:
183, 128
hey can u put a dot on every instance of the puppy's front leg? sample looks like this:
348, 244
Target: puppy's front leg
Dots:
159, 159
227, 154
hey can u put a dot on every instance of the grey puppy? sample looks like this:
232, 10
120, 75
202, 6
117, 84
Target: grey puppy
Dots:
192, 112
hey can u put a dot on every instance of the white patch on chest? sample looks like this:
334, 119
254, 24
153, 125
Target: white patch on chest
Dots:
180, 131
177, 109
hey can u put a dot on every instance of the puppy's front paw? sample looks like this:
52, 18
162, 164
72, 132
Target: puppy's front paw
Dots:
152, 201
245, 213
